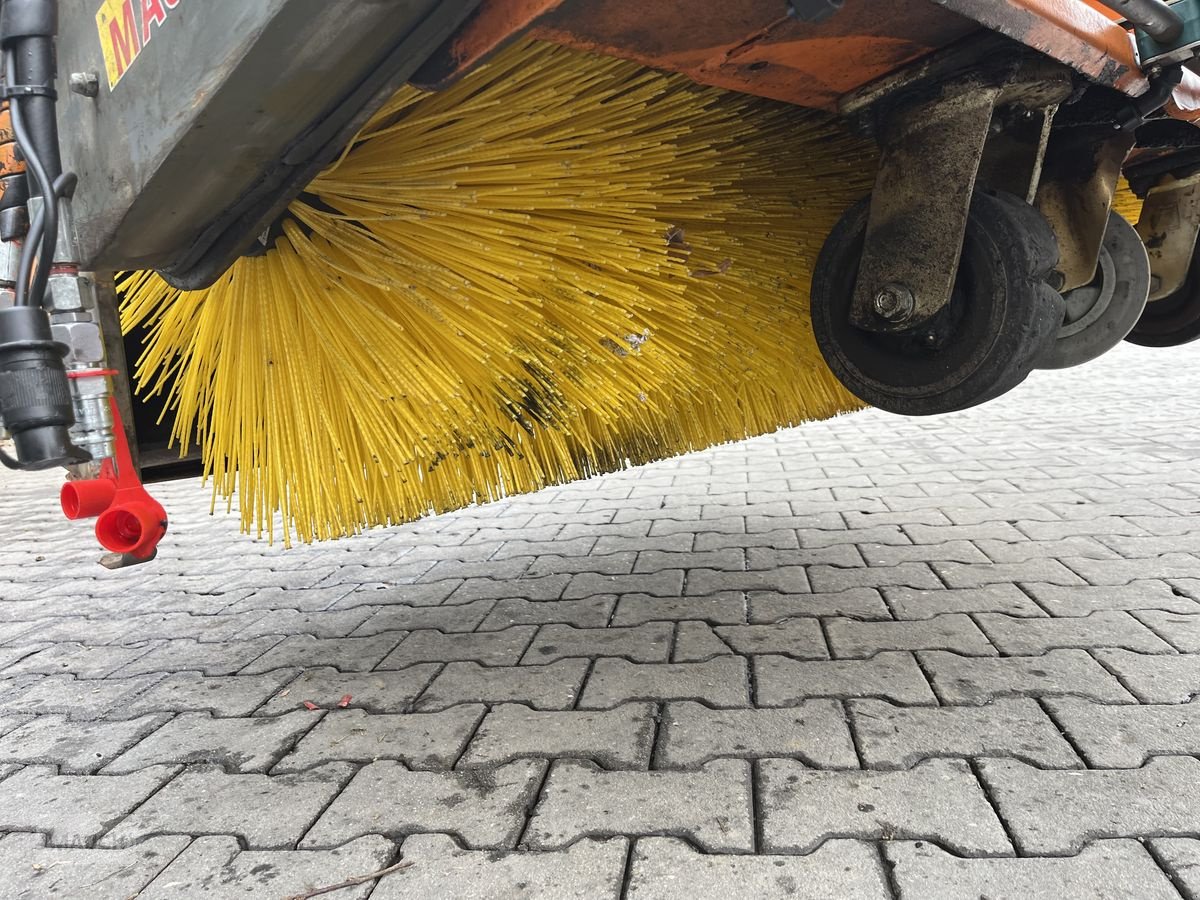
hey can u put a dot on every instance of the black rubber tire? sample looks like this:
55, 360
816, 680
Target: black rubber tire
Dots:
1100, 315
1002, 316
1175, 319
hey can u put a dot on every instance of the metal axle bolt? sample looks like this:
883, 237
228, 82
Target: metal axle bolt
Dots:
894, 302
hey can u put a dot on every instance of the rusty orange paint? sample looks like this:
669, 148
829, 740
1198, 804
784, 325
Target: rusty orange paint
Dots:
10, 164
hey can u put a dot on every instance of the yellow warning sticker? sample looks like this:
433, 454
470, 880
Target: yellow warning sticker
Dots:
125, 30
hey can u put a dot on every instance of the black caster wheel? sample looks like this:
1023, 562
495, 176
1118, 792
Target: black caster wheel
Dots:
1002, 315
1174, 319
1099, 315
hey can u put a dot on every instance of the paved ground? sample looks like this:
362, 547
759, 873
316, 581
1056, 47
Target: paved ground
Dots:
864, 658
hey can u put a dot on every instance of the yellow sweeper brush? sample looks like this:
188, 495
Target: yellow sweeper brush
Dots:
561, 265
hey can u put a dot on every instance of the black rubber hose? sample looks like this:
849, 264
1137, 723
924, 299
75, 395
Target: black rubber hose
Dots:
1154, 17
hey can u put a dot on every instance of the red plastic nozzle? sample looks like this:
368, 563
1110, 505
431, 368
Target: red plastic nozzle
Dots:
132, 525
87, 499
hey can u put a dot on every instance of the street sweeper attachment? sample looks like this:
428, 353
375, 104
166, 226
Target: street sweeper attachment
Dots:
385, 259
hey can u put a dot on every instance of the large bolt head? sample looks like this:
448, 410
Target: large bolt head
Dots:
894, 302
83, 339
70, 293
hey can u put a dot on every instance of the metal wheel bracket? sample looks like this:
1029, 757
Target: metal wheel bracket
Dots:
1169, 226
1075, 193
936, 140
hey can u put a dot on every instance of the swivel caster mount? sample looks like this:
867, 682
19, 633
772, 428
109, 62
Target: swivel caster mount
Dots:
1001, 319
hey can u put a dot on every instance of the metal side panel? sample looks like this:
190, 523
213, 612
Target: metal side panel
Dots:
208, 121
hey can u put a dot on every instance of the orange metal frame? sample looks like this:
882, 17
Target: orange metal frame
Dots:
753, 46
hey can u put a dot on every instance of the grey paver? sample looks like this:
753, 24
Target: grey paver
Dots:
1180, 631
77, 659
857, 640
76, 698
73, 809
710, 805
211, 658
421, 740
1056, 673
29, 870
829, 579
801, 638
959, 575
269, 812
1057, 812
721, 681
897, 737
618, 738
591, 612
1032, 637
493, 648
815, 732
243, 744
937, 800
1080, 601
856, 603
458, 618
908, 603
1155, 678
1181, 858
326, 688
668, 869
720, 609
894, 554
650, 642
484, 808
216, 868
223, 695
696, 642
1115, 737
587, 870
894, 676
554, 686
1123, 571
77, 748
343, 654
1105, 870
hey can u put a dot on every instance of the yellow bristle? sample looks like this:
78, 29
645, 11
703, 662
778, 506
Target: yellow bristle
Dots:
558, 266
1127, 203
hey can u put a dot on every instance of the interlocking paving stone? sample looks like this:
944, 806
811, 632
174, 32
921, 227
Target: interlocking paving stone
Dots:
1116, 737
958, 575
1181, 858
937, 800
711, 806
1032, 637
667, 583
897, 737
76, 698
856, 603
697, 642
1155, 678
720, 609
640, 643
29, 870
343, 654
801, 638
381, 692
894, 554
786, 579
139, 629
216, 868
722, 681
77, 659
337, 623
1105, 870
420, 740
554, 686
459, 618
1080, 601
857, 640
1057, 673
830, 579
1180, 631
668, 869
592, 612
1057, 812
618, 738
269, 812
1075, 545
73, 809
494, 648
908, 603
211, 658
485, 808
1123, 571
892, 675
241, 745
815, 732
407, 595
77, 748
587, 870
